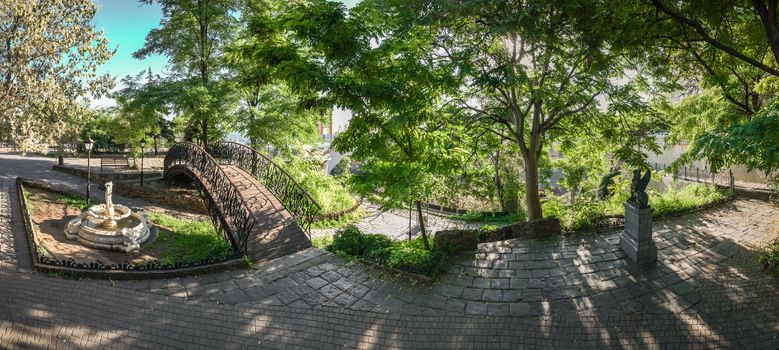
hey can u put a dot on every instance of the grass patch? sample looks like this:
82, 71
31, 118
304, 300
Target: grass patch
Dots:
343, 220
409, 255
322, 241
30, 206
587, 214
188, 240
72, 201
329, 191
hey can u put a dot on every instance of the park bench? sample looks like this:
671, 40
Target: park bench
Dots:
114, 162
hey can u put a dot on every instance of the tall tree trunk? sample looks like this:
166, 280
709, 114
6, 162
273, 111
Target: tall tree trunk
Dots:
422, 225
156, 150
205, 132
498, 184
532, 196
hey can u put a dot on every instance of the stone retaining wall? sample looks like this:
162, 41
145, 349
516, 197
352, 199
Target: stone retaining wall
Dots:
97, 176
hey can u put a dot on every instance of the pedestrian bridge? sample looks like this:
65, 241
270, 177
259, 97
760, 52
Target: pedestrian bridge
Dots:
254, 203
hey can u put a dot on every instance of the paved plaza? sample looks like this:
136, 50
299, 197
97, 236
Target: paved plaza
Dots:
578, 292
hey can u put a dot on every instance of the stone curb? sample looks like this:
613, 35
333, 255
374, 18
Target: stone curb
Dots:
118, 274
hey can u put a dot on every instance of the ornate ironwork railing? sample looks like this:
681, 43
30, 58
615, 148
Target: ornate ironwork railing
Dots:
294, 197
229, 211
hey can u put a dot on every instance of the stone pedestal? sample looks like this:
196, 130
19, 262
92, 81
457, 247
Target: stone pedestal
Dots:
636, 240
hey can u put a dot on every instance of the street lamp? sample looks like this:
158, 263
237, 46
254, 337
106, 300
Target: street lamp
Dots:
88, 146
143, 144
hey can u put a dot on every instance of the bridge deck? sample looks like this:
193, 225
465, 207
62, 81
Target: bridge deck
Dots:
276, 233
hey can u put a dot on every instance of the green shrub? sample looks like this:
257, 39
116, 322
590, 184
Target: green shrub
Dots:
413, 257
348, 242
770, 258
687, 198
586, 213
330, 192
409, 255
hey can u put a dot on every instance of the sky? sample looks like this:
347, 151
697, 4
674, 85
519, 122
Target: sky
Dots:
126, 23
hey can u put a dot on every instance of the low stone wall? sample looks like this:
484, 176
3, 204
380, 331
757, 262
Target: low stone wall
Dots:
98, 269
97, 176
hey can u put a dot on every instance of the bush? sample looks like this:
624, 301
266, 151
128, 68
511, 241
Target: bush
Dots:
330, 192
770, 258
348, 242
412, 256
587, 213
409, 255
686, 198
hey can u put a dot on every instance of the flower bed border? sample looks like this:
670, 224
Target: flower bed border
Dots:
98, 269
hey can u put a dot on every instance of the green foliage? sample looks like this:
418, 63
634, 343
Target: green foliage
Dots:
73, 201
412, 256
249, 262
322, 241
343, 167
189, 240
754, 143
328, 191
769, 258
348, 242
409, 255
343, 220
193, 36
687, 198
492, 218
586, 213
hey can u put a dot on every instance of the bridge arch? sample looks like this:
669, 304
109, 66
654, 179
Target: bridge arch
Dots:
228, 209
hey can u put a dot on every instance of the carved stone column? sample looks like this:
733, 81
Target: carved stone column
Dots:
636, 240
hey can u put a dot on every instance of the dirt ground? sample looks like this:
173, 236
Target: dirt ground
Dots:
50, 219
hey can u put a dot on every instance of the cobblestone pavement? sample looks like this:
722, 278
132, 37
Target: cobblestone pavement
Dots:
396, 224
707, 292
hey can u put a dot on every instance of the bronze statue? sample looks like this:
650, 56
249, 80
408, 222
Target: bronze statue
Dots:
638, 195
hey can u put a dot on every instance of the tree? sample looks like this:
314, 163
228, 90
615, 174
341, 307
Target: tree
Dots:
50, 52
271, 112
141, 109
378, 67
754, 143
193, 35
533, 69
744, 30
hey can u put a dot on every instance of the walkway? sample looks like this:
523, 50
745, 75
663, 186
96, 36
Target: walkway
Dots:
708, 292
275, 233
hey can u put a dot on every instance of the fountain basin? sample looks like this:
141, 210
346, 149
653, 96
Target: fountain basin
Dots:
123, 231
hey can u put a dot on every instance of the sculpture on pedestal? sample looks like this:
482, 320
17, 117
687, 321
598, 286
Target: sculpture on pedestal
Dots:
636, 240
109, 226
638, 194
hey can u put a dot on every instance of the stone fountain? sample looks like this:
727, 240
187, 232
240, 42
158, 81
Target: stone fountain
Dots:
109, 226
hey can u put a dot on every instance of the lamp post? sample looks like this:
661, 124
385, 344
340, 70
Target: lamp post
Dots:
143, 145
88, 146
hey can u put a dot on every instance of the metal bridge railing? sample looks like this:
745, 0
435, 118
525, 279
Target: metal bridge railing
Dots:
294, 197
228, 209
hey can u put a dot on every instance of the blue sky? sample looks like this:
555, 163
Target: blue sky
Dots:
126, 23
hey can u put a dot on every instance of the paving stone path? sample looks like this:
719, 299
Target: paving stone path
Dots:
396, 224
707, 292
